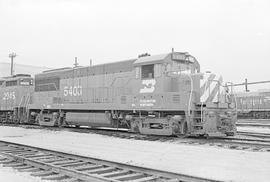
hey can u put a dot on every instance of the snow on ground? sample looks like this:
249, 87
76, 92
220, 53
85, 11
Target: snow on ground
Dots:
8, 174
203, 161
263, 130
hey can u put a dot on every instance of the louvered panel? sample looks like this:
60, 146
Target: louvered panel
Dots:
176, 98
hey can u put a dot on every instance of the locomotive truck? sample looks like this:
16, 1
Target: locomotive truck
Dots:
155, 95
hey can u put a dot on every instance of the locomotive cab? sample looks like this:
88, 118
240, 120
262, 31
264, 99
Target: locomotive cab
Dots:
162, 87
168, 98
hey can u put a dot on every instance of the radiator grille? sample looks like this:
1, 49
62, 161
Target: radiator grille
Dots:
176, 98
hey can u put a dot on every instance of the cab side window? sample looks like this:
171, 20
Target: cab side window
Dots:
148, 71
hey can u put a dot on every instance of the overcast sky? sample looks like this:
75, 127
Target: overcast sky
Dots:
229, 37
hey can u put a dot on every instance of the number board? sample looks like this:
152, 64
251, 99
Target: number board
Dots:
178, 57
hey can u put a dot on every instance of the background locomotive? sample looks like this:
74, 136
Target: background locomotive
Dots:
253, 104
160, 95
15, 92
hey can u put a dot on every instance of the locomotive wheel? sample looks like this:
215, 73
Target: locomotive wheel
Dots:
134, 126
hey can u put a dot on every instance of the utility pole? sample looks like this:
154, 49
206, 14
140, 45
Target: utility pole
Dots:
76, 64
246, 85
12, 56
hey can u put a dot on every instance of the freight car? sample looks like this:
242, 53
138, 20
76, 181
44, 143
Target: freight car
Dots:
15, 92
253, 105
156, 95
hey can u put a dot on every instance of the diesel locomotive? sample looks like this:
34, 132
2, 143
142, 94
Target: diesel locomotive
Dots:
155, 95
15, 92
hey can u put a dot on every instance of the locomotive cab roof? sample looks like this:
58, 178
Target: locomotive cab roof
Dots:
150, 59
17, 77
161, 58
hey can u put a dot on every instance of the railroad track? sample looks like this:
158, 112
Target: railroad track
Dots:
255, 134
253, 124
263, 121
59, 166
254, 143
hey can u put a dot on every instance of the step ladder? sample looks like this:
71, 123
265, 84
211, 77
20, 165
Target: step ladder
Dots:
197, 118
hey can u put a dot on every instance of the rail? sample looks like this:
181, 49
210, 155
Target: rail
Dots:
54, 165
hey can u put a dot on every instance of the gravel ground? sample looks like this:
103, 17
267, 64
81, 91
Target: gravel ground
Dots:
203, 161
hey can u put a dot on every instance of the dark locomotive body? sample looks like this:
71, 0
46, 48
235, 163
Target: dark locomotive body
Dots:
253, 105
